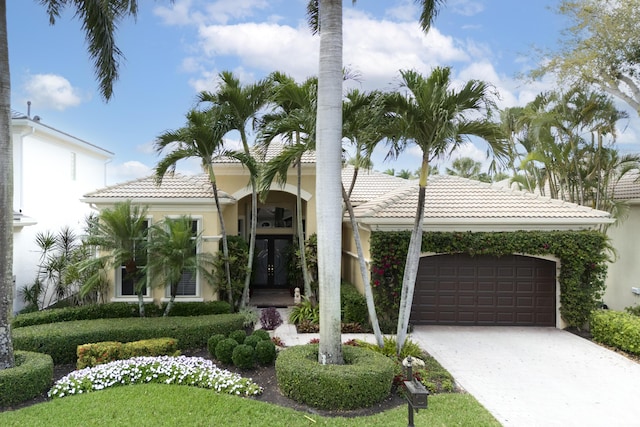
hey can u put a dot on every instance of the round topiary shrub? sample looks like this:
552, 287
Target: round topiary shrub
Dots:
262, 334
364, 379
265, 352
31, 376
224, 350
252, 340
238, 335
243, 356
213, 342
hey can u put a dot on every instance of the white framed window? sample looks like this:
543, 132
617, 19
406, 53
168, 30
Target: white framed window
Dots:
125, 283
189, 285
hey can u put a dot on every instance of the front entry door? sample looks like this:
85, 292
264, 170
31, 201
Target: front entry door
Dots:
270, 262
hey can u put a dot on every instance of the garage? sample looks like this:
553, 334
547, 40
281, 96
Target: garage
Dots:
459, 289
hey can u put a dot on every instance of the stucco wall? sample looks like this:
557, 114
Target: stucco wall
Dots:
50, 176
624, 272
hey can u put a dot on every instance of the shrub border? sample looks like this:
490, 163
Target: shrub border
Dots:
364, 380
31, 376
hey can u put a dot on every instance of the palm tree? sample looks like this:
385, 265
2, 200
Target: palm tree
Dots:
295, 121
201, 138
325, 16
121, 234
363, 121
99, 22
465, 167
174, 256
435, 118
243, 104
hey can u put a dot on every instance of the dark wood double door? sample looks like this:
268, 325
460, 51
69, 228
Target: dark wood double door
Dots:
270, 261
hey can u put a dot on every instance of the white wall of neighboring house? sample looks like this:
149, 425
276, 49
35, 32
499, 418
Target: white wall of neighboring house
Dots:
624, 272
52, 170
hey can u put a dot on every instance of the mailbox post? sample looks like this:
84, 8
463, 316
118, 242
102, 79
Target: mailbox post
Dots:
416, 392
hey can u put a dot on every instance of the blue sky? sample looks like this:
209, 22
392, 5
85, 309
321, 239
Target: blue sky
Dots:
174, 51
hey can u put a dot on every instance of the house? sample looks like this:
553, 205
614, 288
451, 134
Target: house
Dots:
526, 284
623, 279
52, 170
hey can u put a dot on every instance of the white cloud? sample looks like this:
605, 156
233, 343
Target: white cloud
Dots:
51, 91
127, 171
223, 11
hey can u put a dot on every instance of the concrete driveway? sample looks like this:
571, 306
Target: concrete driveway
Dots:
538, 376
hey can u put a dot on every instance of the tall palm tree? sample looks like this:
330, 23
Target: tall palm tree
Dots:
173, 255
363, 121
121, 234
294, 120
201, 138
99, 22
437, 119
325, 16
243, 104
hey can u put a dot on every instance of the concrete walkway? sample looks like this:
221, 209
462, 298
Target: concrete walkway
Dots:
538, 376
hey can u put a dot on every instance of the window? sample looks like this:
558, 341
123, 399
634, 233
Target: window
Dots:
125, 282
274, 217
188, 285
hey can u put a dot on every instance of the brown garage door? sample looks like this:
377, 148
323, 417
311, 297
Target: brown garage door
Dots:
485, 290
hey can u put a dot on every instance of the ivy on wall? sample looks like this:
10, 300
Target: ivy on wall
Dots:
582, 255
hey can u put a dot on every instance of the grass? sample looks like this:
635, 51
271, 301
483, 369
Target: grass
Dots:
169, 405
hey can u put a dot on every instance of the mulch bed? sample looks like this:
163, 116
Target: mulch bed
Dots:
265, 376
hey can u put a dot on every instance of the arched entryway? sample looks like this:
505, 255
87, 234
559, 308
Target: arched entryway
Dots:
459, 289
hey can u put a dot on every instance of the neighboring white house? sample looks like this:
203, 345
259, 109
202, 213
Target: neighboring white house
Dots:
52, 170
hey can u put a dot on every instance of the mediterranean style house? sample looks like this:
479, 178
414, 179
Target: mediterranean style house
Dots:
529, 284
52, 170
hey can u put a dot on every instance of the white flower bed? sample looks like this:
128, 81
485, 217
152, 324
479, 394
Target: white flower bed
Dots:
183, 370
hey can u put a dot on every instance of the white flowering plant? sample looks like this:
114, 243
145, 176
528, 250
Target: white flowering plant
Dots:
181, 370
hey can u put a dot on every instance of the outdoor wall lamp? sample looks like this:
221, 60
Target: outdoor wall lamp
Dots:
416, 392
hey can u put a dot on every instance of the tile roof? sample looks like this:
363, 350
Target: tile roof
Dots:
175, 186
628, 187
455, 200
269, 153
370, 184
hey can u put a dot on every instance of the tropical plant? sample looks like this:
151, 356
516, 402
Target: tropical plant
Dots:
325, 17
202, 138
437, 119
99, 23
174, 256
121, 235
293, 120
242, 103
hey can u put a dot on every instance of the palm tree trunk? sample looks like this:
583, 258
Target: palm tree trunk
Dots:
252, 242
6, 198
328, 182
368, 293
412, 263
301, 247
223, 232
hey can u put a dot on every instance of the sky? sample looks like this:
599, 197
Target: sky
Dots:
174, 51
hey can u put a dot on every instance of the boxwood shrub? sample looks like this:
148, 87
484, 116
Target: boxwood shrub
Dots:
265, 352
118, 310
616, 329
239, 335
243, 356
60, 340
213, 342
224, 350
31, 376
364, 379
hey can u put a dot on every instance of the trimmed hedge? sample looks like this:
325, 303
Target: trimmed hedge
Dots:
108, 351
31, 376
365, 378
616, 329
60, 340
354, 305
116, 310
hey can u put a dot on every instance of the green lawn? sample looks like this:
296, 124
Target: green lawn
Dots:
168, 405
